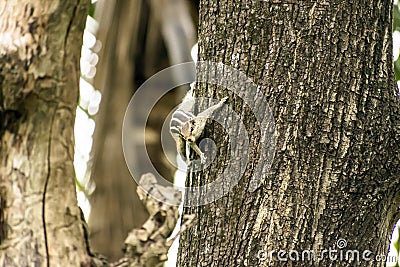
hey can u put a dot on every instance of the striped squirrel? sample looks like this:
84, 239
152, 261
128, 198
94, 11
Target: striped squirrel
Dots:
186, 128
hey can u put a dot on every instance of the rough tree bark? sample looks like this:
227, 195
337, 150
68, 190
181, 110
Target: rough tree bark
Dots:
326, 70
40, 222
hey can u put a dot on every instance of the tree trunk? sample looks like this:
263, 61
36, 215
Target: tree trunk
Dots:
40, 222
326, 70
115, 206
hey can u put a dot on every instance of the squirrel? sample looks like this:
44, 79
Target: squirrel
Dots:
186, 128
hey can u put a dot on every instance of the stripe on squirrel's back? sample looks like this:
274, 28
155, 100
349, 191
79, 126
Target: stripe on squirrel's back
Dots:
179, 118
182, 115
175, 130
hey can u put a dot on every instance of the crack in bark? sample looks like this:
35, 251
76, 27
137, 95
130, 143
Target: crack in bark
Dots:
45, 188
3, 222
72, 22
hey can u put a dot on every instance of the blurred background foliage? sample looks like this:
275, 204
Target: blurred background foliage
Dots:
135, 40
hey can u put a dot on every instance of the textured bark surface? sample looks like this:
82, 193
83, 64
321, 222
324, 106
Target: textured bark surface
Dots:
326, 69
40, 221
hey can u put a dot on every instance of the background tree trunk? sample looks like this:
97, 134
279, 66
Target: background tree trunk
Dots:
139, 38
326, 70
115, 206
40, 222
